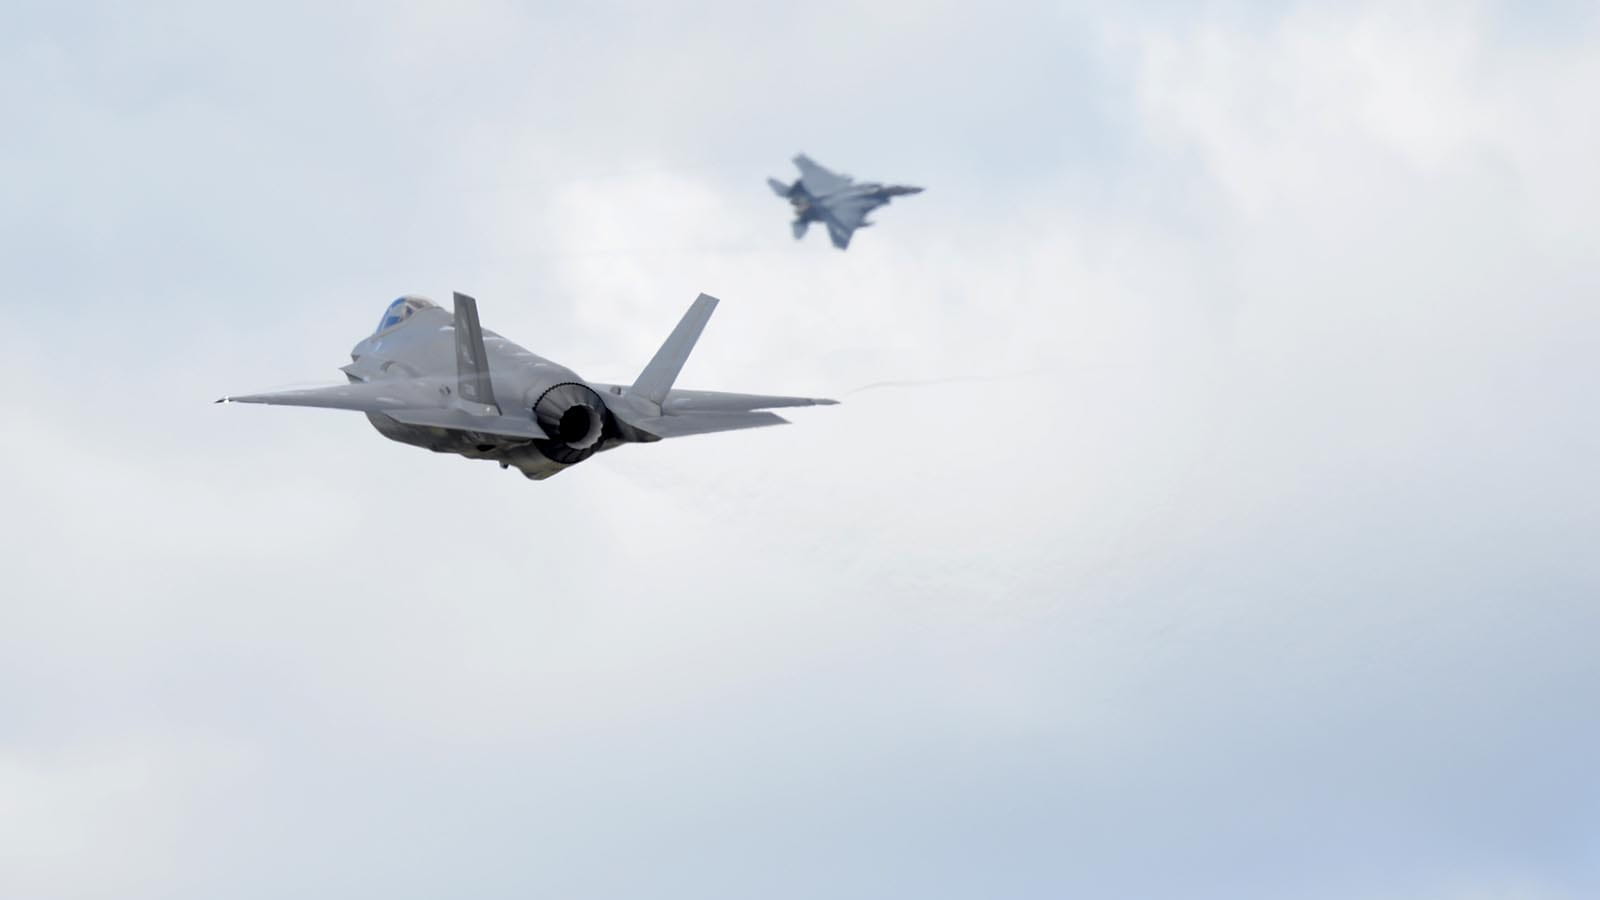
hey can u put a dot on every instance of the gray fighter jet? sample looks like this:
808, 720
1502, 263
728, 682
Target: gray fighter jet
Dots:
439, 381
834, 200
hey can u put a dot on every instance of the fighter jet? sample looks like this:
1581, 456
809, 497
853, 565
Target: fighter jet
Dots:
437, 380
834, 200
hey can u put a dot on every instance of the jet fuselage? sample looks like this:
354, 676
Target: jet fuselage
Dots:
425, 342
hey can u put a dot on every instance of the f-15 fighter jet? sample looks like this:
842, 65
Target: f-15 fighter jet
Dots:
834, 200
439, 381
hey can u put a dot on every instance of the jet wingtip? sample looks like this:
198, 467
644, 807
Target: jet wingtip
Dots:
822, 401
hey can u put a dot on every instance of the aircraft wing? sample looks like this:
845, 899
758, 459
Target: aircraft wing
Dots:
850, 212
839, 235
412, 401
367, 396
817, 180
457, 420
843, 215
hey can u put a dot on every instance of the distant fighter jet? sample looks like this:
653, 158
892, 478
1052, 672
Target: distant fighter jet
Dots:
834, 200
439, 381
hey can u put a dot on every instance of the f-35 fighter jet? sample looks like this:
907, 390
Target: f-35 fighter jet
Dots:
439, 381
834, 200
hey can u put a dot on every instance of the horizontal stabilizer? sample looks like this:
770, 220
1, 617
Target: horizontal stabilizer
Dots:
778, 187
705, 423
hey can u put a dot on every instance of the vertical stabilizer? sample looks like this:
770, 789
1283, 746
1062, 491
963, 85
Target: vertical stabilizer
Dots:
472, 360
657, 377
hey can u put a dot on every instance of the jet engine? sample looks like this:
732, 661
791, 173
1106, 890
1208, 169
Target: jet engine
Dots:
574, 417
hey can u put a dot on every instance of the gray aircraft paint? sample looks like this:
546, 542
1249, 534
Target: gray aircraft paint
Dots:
440, 381
834, 200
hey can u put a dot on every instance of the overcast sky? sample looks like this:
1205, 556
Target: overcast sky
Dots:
1244, 546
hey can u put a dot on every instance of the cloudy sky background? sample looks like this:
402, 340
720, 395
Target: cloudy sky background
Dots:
1262, 565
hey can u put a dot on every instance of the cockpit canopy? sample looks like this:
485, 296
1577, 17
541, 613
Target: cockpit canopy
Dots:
402, 309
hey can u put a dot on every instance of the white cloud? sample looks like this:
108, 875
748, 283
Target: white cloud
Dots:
1269, 578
